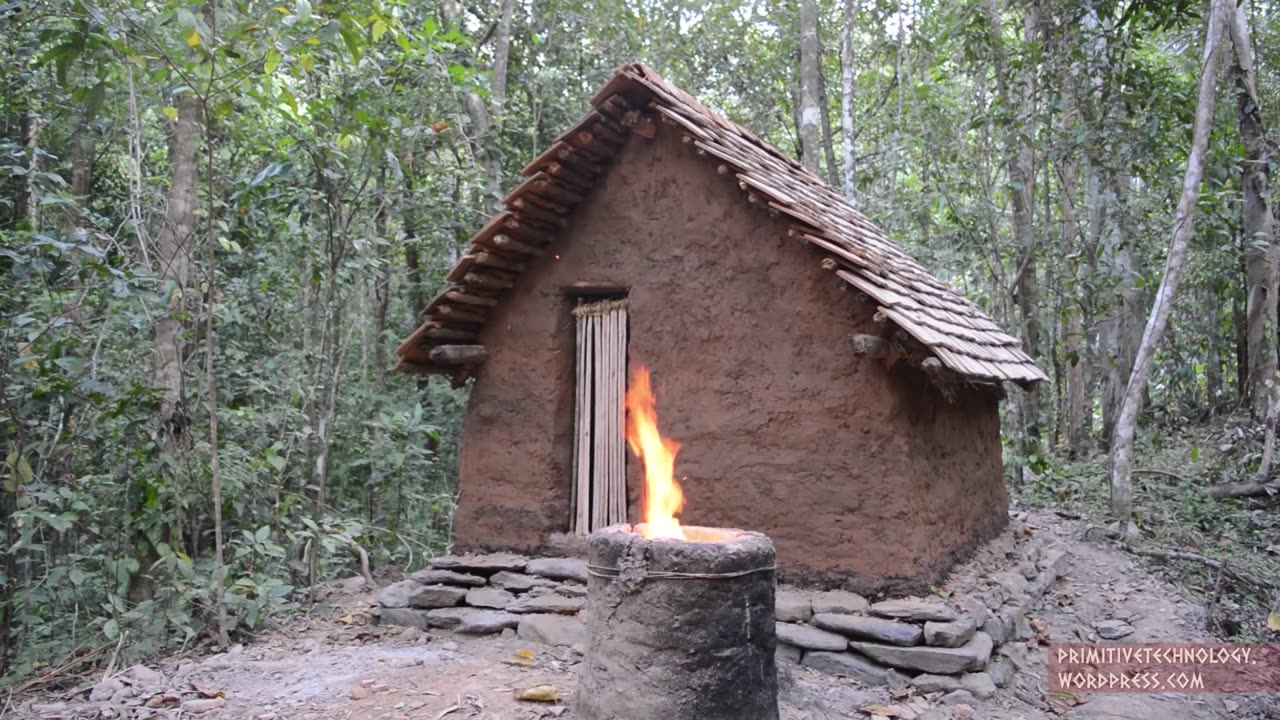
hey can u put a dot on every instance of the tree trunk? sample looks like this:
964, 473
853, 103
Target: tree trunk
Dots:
382, 285
1262, 261
501, 55
1020, 161
1213, 364
824, 104
173, 257
810, 87
846, 103
1184, 217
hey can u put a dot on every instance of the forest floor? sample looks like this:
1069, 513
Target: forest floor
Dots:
334, 665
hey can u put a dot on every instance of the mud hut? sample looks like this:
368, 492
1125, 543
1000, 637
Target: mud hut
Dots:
825, 388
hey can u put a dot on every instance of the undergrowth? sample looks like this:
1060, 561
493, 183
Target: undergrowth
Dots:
1175, 465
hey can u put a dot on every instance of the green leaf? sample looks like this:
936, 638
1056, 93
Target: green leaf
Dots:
352, 39
111, 629
271, 62
276, 461
192, 37
170, 112
379, 29
263, 533
302, 8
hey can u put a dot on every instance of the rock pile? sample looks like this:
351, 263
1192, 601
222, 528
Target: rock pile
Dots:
537, 599
944, 647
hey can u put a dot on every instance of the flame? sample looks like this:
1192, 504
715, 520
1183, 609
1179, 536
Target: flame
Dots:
662, 496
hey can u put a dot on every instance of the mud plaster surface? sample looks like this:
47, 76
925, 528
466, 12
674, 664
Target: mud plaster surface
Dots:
783, 430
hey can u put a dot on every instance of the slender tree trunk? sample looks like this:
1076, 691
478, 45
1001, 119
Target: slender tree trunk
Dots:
1262, 256
846, 103
215, 468
824, 104
501, 56
382, 286
1126, 424
810, 87
31, 198
1020, 160
1213, 364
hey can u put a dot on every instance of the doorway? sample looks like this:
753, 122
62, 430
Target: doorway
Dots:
599, 459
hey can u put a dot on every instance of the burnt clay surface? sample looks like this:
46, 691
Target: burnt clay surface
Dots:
863, 476
679, 648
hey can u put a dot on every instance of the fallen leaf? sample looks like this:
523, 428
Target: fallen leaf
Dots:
346, 619
1231, 705
359, 693
446, 711
525, 654
205, 691
164, 700
1273, 620
519, 660
539, 693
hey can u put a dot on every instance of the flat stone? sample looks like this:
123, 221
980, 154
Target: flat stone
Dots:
396, 595
431, 576
481, 564
943, 661
839, 602
1028, 570
999, 631
847, 664
1001, 671
930, 683
405, 617
518, 582
870, 628
540, 590
1056, 560
811, 638
1014, 584
950, 635
914, 609
559, 568
436, 596
559, 630
472, 621
550, 603
792, 606
957, 697
572, 590
788, 652
974, 608
489, 597
1113, 629
979, 683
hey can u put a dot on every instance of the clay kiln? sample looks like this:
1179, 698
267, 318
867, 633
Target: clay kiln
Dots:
679, 629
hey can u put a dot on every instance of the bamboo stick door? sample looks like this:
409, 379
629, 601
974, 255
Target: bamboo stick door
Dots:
599, 461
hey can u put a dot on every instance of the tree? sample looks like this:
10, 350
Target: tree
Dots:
1262, 255
1183, 222
810, 87
846, 103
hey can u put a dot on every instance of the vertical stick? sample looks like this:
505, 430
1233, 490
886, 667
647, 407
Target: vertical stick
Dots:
597, 408
621, 383
606, 426
584, 425
576, 478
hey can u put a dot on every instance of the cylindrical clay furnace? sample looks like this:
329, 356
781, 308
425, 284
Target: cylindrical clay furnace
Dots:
679, 629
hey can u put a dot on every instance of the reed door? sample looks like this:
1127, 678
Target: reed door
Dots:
599, 462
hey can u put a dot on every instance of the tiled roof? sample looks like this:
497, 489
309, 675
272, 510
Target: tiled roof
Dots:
954, 329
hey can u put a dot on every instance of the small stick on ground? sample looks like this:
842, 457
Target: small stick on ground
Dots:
1168, 473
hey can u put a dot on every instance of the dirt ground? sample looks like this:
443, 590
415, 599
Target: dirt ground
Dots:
333, 666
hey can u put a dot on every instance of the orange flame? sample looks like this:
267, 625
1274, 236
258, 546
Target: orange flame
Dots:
662, 496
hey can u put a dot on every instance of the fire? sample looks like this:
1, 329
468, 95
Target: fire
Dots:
662, 496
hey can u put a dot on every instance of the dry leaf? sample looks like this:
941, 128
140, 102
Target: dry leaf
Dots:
1273, 621
207, 692
540, 693
1231, 705
525, 654
346, 619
